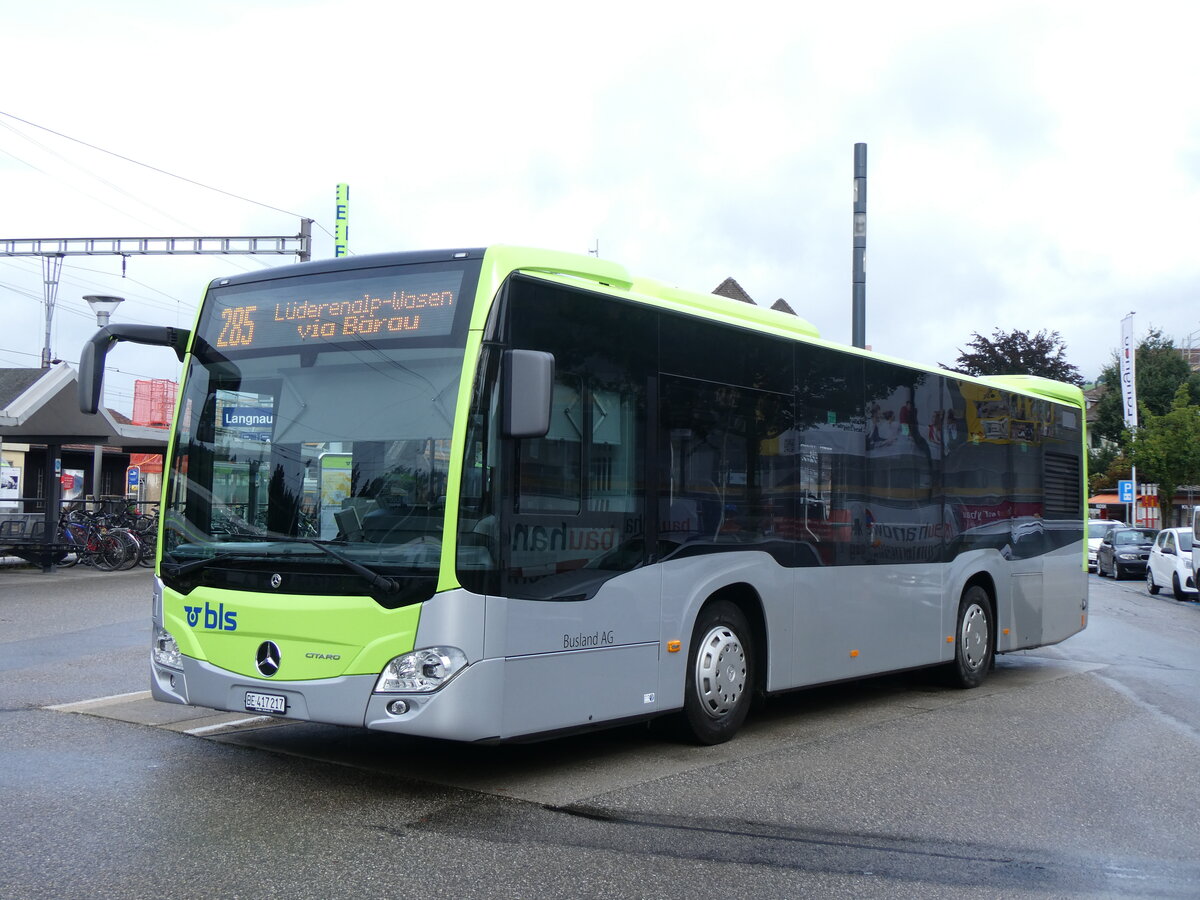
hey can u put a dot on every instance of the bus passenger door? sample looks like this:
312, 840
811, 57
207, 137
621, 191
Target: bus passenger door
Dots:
578, 625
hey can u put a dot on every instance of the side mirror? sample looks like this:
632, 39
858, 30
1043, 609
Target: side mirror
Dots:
528, 387
91, 360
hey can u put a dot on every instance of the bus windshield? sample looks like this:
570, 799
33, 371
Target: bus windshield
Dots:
319, 411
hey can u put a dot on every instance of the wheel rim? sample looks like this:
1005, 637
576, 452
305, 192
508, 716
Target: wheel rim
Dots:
720, 671
974, 637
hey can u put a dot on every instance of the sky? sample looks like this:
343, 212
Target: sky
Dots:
1031, 166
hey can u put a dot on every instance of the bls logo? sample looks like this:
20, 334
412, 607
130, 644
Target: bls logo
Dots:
217, 618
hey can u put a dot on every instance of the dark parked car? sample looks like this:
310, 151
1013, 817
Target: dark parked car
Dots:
1125, 551
1097, 529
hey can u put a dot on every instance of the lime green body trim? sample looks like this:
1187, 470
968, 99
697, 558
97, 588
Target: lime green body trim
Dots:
447, 571
1043, 387
310, 631
587, 272
169, 454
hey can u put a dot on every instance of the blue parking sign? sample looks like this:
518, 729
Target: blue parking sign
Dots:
1125, 491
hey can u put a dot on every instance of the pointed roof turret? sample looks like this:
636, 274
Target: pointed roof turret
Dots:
733, 291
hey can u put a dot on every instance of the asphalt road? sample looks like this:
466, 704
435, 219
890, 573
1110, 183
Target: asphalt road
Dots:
1070, 773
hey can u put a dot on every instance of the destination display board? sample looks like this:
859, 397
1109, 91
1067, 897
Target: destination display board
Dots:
295, 312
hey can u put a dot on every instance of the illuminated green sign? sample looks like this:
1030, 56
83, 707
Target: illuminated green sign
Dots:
341, 222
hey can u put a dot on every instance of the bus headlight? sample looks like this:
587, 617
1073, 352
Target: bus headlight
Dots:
421, 671
165, 651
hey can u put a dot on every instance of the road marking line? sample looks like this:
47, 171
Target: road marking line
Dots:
204, 729
110, 700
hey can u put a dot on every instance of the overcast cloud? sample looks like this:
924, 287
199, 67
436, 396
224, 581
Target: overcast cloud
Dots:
1031, 165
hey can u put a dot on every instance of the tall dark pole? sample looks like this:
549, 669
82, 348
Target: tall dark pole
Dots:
859, 315
304, 254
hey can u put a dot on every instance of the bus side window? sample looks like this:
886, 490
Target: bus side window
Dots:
724, 462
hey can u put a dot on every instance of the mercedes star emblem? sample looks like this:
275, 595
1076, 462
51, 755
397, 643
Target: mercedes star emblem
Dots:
276, 580
267, 658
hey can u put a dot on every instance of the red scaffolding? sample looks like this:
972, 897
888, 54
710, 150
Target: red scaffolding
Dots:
154, 402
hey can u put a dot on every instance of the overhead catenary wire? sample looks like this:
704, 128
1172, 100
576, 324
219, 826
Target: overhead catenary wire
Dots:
104, 181
240, 265
115, 369
27, 264
177, 309
75, 308
161, 171
181, 309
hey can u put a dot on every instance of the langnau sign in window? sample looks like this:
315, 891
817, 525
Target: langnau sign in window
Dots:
247, 417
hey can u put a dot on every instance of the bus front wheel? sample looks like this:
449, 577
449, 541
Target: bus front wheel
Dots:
720, 674
973, 648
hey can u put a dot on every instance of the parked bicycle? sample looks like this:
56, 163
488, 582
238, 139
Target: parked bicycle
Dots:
89, 539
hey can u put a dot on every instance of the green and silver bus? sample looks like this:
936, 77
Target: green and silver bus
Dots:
498, 494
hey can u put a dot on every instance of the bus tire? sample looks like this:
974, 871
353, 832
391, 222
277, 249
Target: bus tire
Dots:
973, 647
720, 674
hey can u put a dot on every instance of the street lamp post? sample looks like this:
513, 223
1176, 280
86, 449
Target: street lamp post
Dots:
858, 311
103, 306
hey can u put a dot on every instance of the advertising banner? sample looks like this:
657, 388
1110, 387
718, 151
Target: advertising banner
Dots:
72, 484
10, 483
1128, 385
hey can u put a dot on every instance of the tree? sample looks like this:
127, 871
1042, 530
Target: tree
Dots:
1106, 465
1017, 353
1166, 449
1159, 369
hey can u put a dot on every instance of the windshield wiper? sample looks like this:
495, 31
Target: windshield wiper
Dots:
382, 582
178, 570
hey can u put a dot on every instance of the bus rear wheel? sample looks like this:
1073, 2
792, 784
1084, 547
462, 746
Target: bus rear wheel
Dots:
973, 648
720, 674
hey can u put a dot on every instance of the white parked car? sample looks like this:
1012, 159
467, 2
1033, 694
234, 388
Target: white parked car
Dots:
1196, 545
1171, 564
1096, 530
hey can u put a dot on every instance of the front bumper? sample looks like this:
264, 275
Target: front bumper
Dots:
467, 708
